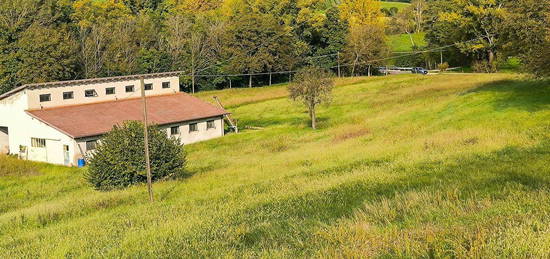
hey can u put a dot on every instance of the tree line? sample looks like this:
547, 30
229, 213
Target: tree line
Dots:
48, 40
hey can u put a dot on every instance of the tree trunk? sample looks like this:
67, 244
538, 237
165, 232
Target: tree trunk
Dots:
369, 71
313, 118
193, 82
270, 79
491, 60
250, 81
230, 83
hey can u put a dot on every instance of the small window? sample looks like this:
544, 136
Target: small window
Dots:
90, 93
68, 95
148, 87
129, 88
193, 127
91, 145
45, 97
165, 84
110, 90
38, 142
210, 125
175, 130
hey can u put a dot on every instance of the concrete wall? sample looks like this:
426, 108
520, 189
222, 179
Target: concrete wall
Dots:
79, 98
22, 127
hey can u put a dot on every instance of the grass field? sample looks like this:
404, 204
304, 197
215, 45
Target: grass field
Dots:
402, 166
402, 42
399, 5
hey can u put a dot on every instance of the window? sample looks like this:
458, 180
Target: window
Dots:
68, 95
91, 145
90, 93
38, 142
148, 87
45, 97
129, 88
110, 90
193, 127
175, 130
165, 84
210, 125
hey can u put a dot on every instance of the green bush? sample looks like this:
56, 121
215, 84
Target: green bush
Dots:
443, 67
119, 160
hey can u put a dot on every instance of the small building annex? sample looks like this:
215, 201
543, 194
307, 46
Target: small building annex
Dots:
61, 122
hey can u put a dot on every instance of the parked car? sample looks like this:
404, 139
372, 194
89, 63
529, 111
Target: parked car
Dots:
419, 70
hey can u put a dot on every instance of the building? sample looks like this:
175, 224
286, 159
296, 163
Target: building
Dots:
61, 122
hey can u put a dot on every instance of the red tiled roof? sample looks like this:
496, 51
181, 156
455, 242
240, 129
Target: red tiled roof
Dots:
99, 118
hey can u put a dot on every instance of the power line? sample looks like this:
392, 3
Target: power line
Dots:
335, 54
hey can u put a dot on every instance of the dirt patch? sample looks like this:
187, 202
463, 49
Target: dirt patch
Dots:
351, 134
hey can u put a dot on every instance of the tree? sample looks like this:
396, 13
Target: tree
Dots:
526, 34
257, 42
472, 25
366, 46
312, 86
194, 41
119, 160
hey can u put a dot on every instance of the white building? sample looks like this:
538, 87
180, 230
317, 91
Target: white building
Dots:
59, 122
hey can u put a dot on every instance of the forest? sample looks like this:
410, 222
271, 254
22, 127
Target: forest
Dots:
220, 43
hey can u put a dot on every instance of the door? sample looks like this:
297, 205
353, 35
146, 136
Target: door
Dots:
37, 151
67, 158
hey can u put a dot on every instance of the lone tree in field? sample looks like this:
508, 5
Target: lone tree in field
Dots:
119, 160
312, 86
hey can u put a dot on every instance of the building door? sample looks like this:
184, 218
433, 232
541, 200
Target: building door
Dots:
37, 151
67, 158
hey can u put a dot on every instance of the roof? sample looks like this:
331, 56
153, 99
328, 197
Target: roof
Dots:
95, 119
88, 81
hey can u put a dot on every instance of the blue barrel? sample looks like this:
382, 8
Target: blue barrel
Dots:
81, 162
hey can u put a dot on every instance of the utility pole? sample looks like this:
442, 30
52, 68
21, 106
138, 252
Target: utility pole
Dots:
338, 59
230, 83
441, 56
146, 140
269, 78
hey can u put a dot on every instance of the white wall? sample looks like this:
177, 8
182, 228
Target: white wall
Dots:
202, 134
4, 140
22, 127
79, 98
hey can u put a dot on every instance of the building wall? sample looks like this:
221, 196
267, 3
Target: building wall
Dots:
4, 140
79, 97
22, 127
202, 134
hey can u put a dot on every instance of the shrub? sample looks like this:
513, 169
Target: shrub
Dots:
443, 67
483, 66
119, 160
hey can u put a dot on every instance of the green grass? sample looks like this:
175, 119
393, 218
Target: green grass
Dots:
402, 166
402, 42
398, 5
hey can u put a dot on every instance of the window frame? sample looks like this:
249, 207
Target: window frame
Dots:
38, 142
148, 87
49, 99
65, 97
166, 85
93, 91
177, 130
211, 124
193, 127
130, 88
110, 88
89, 143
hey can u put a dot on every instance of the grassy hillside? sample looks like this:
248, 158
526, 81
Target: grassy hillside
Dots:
402, 166
399, 5
402, 42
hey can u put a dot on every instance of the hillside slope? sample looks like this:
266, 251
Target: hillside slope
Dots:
402, 166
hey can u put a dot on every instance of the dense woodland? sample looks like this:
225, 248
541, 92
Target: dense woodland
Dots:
47, 40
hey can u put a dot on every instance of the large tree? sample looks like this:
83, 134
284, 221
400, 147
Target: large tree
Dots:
473, 25
526, 33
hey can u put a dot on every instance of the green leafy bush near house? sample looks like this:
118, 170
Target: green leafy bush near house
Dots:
119, 160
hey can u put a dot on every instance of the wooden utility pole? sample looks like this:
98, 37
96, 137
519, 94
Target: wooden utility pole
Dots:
441, 56
338, 59
269, 78
230, 83
146, 140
